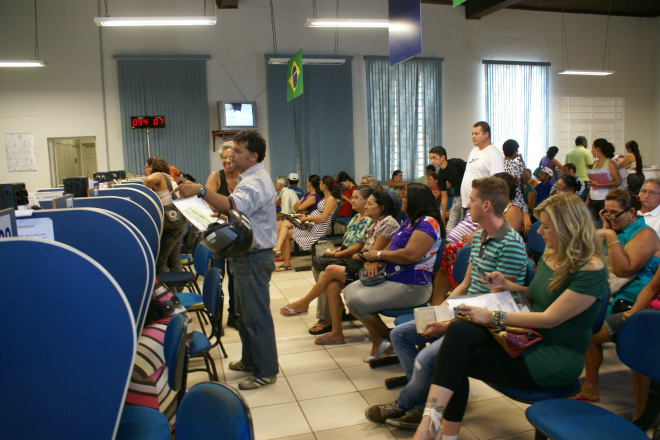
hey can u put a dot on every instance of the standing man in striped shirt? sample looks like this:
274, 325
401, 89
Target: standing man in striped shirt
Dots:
255, 197
495, 247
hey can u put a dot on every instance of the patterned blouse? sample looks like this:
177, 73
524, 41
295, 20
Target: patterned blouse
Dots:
385, 227
356, 231
515, 168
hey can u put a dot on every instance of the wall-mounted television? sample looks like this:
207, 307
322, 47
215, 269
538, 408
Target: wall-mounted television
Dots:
237, 115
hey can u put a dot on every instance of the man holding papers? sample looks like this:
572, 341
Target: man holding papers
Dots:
496, 247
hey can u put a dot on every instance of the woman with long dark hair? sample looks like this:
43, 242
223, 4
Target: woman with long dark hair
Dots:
603, 151
348, 184
321, 217
632, 163
409, 263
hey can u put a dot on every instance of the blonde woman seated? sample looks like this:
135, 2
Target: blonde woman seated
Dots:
566, 294
382, 210
320, 216
413, 250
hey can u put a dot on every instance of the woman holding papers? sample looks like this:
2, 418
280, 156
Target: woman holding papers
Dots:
567, 291
408, 262
603, 177
320, 217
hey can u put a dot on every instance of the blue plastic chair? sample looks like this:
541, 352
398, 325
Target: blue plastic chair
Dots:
201, 344
213, 410
143, 423
537, 395
572, 419
461, 263
202, 260
529, 272
65, 364
535, 242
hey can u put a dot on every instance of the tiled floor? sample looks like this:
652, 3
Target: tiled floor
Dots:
322, 392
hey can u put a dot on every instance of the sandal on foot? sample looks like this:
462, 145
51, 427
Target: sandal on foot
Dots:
283, 268
325, 341
586, 399
324, 329
291, 312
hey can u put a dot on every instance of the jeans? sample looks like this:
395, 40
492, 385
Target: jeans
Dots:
454, 214
220, 264
169, 255
252, 274
417, 364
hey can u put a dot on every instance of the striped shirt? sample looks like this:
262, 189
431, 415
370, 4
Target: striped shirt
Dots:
504, 251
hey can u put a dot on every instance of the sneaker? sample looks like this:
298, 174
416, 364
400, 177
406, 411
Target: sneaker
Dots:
409, 420
380, 413
238, 366
252, 383
232, 321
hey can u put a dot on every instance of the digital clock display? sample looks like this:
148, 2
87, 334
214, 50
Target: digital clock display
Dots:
147, 121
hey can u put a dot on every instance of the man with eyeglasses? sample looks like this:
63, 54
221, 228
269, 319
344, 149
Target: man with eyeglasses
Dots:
649, 195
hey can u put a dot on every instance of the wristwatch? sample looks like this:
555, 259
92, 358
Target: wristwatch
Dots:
378, 255
202, 192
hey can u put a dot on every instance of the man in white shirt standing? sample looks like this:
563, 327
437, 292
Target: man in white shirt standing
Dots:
485, 160
649, 195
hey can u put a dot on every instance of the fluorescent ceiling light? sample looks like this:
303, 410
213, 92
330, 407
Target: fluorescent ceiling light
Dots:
23, 63
347, 22
586, 72
155, 21
308, 60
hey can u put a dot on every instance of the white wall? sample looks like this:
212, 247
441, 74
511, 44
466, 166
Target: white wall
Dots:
65, 99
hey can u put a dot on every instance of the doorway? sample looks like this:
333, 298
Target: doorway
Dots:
71, 157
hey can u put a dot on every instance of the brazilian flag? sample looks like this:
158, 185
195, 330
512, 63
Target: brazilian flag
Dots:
458, 2
294, 77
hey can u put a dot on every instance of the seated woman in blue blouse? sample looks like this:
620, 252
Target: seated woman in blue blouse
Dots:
413, 249
567, 290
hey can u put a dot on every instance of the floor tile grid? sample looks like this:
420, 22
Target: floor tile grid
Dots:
343, 364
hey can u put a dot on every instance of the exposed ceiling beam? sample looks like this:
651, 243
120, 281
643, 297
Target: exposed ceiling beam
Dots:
475, 9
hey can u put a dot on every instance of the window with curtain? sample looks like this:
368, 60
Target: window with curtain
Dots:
172, 86
312, 134
517, 106
404, 110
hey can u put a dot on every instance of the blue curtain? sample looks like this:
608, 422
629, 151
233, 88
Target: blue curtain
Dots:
173, 87
517, 106
404, 110
312, 134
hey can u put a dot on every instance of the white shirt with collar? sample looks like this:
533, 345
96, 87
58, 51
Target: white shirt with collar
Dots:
652, 219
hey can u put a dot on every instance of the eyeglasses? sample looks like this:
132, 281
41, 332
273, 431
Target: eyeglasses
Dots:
225, 157
358, 198
612, 215
648, 191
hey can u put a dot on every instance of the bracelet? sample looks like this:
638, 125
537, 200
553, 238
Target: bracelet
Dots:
498, 318
361, 256
610, 244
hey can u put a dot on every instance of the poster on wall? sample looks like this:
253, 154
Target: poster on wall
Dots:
20, 152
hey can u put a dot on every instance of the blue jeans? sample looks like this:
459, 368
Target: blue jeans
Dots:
251, 278
418, 365
231, 302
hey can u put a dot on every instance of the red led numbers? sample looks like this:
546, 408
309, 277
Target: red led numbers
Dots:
147, 121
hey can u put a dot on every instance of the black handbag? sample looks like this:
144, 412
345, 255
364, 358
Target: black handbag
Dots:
382, 275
